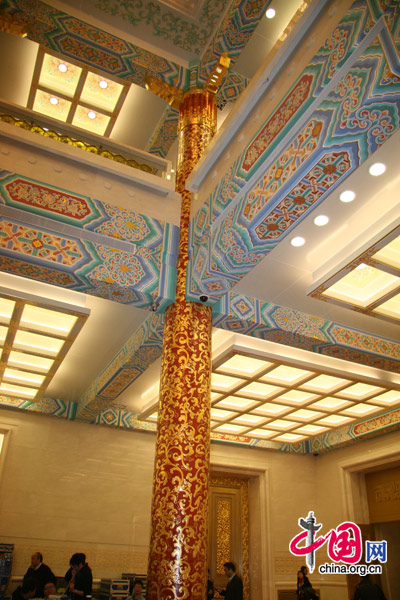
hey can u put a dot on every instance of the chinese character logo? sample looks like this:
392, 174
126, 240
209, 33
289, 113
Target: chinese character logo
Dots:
344, 542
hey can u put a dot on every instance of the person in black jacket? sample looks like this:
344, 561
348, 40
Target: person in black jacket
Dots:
234, 589
210, 586
80, 585
25, 591
40, 572
366, 590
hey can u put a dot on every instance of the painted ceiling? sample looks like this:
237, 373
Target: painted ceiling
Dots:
339, 111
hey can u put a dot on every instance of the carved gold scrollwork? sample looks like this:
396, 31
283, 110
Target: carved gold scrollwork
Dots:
222, 549
223, 533
65, 139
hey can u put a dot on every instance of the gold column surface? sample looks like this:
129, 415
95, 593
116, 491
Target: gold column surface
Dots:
178, 548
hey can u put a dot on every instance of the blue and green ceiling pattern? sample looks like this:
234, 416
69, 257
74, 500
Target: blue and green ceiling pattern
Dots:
85, 245
342, 108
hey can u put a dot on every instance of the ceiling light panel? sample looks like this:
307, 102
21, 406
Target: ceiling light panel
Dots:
224, 383
36, 337
6, 310
70, 93
244, 366
236, 403
43, 105
360, 391
264, 399
390, 308
363, 286
98, 124
325, 383
389, 254
387, 398
370, 283
286, 375
59, 80
96, 93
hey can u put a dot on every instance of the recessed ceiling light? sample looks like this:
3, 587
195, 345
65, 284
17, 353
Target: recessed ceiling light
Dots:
298, 241
270, 13
103, 84
62, 67
53, 100
321, 220
91, 114
347, 196
377, 169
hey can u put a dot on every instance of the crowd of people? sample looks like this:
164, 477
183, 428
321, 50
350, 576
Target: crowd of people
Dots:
40, 582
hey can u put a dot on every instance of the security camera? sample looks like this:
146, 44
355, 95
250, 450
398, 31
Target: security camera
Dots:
203, 298
153, 306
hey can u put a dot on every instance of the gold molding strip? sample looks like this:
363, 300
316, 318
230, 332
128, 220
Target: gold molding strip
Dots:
66, 139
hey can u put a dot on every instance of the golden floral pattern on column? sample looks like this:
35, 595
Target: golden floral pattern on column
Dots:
178, 546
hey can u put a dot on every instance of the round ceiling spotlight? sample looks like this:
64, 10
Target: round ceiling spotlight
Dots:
297, 241
377, 169
62, 67
321, 220
53, 100
347, 196
103, 84
270, 13
91, 114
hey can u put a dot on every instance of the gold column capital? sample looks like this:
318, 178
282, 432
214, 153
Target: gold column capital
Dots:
167, 92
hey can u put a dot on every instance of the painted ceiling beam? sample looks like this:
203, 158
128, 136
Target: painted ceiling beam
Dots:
82, 244
238, 313
139, 352
343, 107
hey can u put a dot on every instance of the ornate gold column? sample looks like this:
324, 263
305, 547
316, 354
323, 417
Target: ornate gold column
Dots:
178, 548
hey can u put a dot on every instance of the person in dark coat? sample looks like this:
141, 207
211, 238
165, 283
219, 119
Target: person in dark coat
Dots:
25, 591
234, 589
366, 590
40, 572
210, 587
306, 590
80, 585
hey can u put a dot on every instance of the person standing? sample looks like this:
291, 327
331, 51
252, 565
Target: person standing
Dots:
210, 586
306, 590
40, 572
234, 589
80, 585
366, 590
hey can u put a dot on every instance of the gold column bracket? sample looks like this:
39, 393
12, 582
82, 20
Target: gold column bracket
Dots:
14, 24
217, 74
167, 92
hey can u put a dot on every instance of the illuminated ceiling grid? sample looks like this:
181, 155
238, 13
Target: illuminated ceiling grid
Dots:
369, 284
34, 339
266, 399
75, 95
